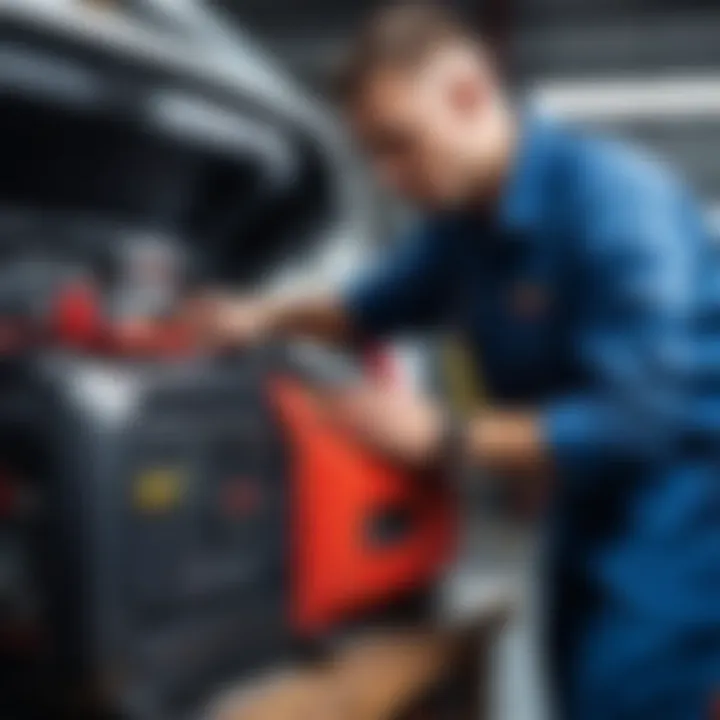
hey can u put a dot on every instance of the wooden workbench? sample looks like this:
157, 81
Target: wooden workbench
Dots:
442, 670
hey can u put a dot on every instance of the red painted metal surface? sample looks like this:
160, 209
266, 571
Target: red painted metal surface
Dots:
338, 488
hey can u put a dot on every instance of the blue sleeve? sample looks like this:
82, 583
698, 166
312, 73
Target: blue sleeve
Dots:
406, 291
634, 335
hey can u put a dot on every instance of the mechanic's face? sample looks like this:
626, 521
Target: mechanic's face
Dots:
423, 130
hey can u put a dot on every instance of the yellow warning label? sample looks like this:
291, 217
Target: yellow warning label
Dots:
158, 490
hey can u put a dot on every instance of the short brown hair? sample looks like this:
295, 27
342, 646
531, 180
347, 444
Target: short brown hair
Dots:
399, 36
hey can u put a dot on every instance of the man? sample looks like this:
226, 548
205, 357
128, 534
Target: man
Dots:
583, 278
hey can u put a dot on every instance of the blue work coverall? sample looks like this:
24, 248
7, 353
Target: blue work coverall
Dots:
592, 295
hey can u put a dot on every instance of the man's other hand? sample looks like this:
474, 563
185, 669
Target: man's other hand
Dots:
412, 430
405, 427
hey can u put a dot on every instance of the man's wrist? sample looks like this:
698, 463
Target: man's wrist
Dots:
453, 454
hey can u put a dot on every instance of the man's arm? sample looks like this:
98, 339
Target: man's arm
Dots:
635, 336
405, 291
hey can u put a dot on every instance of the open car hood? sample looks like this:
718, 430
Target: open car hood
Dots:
119, 127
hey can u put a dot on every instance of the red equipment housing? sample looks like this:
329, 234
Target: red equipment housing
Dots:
365, 531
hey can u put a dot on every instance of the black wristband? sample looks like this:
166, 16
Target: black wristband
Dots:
453, 451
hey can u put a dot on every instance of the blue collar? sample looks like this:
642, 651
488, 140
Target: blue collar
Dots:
524, 194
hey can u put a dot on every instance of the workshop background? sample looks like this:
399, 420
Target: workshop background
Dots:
645, 69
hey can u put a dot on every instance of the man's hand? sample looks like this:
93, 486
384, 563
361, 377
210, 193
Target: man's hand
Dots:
222, 321
404, 427
226, 321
